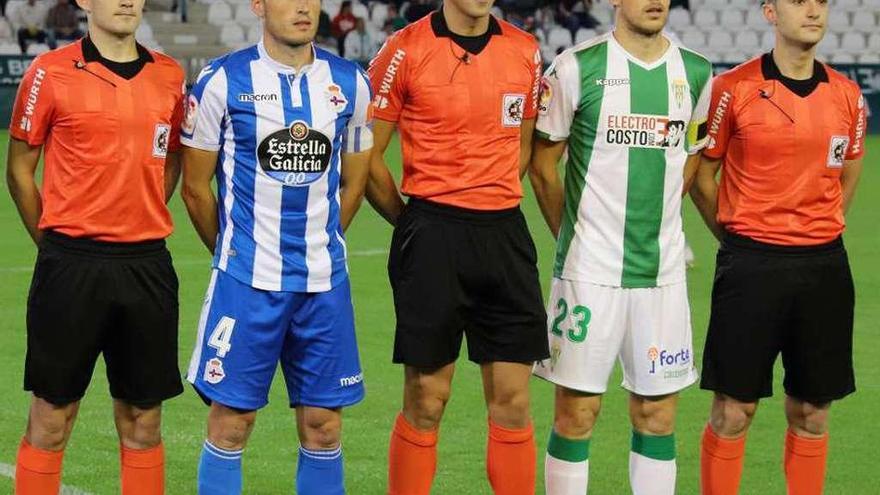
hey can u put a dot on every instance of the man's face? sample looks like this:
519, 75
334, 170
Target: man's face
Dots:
291, 22
473, 8
118, 17
646, 17
800, 21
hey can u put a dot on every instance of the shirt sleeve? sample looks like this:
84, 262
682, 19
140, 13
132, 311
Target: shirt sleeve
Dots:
388, 72
721, 123
359, 131
531, 109
204, 111
177, 118
860, 124
698, 130
34, 108
558, 100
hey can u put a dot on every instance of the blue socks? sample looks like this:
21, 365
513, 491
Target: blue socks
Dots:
219, 471
319, 472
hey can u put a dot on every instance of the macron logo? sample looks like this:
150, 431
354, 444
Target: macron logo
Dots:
351, 380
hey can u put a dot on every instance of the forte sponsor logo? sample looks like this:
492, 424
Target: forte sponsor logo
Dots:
673, 364
644, 131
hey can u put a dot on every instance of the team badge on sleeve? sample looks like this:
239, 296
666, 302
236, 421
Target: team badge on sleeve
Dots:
160, 140
546, 97
189, 114
512, 110
837, 151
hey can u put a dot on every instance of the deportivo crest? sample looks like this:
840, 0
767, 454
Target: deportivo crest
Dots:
296, 156
512, 110
679, 89
214, 373
160, 140
837, 151
335, 98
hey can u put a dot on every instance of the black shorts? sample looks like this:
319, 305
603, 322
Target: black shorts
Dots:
767, 300
455, 271
89, 297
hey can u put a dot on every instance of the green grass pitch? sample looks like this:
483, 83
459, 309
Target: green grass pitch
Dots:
91, 461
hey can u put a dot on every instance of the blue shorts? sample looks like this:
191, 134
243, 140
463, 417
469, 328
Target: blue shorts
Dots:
244, 332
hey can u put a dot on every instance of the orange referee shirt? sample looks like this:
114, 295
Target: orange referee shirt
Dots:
784, 144
105, 140
459, 114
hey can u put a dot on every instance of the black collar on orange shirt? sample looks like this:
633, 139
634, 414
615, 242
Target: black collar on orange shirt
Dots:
471, 44
800, 87
125, 70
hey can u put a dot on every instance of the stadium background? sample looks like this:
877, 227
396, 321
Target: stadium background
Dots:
728, 31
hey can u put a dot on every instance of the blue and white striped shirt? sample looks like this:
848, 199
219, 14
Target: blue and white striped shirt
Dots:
280, 133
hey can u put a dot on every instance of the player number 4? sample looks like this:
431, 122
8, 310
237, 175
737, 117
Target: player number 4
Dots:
221, 336
582, 316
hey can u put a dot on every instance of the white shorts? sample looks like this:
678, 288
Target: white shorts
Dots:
649, 330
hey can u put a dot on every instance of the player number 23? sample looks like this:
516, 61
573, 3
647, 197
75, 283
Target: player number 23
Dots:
221, 336
582, 316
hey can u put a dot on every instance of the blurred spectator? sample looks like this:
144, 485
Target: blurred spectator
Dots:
418, 9
344, 20
397, 21
342, 24
29, 21
575, 14
62, 23
325, 27
359, 45
679, 3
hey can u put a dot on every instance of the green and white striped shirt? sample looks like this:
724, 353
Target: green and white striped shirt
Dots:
630, 127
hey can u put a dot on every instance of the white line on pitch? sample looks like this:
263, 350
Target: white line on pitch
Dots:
8, 470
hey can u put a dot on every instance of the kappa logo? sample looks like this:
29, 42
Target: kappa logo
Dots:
837, 151
512, 110
335, 98
160, 140
25, 124
214, 373
613, 82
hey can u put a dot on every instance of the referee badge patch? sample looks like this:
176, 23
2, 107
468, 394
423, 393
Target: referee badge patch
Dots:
512, 110
160, 140
837, 151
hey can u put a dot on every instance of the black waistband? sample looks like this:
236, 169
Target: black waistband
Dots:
459, 213
741, 242
92, 247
